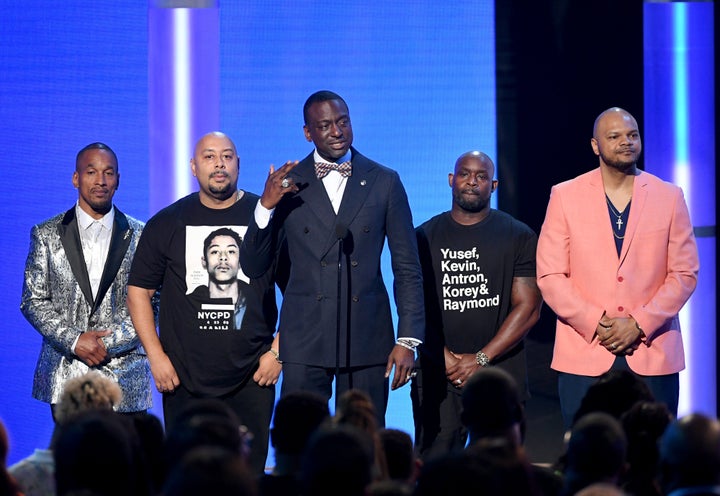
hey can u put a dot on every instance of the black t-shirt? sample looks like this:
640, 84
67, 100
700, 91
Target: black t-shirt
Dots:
468, 273
213, 342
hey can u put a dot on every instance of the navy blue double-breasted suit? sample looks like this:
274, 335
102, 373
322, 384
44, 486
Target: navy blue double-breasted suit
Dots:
304, 233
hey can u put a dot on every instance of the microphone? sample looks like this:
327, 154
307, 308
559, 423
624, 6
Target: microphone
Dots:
341, 232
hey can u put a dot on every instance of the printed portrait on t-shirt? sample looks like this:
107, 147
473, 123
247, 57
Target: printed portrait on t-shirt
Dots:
214, 278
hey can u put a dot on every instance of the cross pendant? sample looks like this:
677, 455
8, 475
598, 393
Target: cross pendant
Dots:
619, 223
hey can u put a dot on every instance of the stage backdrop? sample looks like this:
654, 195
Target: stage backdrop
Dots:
419, 81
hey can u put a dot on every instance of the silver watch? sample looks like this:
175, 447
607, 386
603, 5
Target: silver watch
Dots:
482, 359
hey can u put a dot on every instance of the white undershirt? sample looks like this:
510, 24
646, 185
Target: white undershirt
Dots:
95, 247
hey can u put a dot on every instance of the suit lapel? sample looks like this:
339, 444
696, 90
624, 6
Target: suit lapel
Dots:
637, 205
315, 198
600, 216
119, 242
70, 238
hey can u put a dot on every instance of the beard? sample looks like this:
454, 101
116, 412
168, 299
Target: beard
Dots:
621, 163
472, 204
222, 192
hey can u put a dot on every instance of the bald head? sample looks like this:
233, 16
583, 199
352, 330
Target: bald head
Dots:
211, 137
475, 156
613, 113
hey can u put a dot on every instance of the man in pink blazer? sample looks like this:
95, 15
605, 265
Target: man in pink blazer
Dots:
616, 260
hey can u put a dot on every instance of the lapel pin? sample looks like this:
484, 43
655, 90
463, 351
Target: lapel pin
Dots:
127, 233
363, 182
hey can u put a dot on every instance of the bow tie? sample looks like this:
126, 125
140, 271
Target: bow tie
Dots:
322, 169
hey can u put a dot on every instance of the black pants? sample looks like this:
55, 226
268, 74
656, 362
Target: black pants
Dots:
370, 379
252, 403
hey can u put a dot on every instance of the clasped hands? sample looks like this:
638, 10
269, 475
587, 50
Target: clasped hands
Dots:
91, 349
620, 335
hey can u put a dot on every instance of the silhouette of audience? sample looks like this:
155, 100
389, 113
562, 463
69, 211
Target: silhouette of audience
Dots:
643, 424
690, 456
614, 393
493, 413
596, 452
35, 474
8, 485
621, 442
339, 459
211, 470
99, 451
402, 464
297, 416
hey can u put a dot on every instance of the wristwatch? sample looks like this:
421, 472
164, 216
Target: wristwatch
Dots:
482, 359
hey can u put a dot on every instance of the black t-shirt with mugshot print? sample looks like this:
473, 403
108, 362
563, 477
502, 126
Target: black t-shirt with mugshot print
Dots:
468, 273
213, 343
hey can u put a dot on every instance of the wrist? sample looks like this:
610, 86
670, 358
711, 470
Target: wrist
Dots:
275, 355
641, 333
482, 359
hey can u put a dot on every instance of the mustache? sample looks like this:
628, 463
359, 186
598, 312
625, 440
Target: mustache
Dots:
219, 173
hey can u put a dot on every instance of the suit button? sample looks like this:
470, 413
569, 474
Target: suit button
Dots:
366, 229
306, 230
355, 299
620, 309
319, 297
620, 279
323, 263
354, 263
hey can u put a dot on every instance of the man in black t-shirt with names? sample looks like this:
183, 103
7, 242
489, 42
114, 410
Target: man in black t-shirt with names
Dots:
481, 299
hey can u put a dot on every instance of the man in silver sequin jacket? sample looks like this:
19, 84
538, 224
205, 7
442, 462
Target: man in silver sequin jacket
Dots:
76, 284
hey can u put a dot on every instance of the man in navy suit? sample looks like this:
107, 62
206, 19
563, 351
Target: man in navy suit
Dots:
327, 218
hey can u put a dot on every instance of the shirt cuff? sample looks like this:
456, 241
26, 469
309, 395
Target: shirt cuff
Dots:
409, 343
72, 348
262, 215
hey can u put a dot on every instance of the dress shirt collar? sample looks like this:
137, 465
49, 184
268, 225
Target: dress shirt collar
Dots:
84, 220
344, 158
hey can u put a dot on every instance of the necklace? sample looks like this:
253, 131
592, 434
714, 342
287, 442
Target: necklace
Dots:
618, 215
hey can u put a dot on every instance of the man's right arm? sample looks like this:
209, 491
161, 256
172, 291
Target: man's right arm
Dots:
37, 305
554, 275
139, 302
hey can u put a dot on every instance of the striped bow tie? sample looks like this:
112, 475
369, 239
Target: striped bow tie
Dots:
322, 169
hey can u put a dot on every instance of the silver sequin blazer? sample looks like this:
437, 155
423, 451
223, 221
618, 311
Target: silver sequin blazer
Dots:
57, 301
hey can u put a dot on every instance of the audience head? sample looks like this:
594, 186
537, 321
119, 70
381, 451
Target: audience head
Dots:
614, 393
89, 445
596, 452
643, 424
7, 483
491, 406
210, 470
338, 460
399, 454
355, 407
690, 453
476, 471
90, 391
297, 416
204, 422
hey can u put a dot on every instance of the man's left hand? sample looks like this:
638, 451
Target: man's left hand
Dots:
268, 371
461, 371
622, 338
403, 359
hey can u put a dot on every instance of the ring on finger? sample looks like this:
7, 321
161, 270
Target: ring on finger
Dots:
458, 381
285, 182
614, 346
